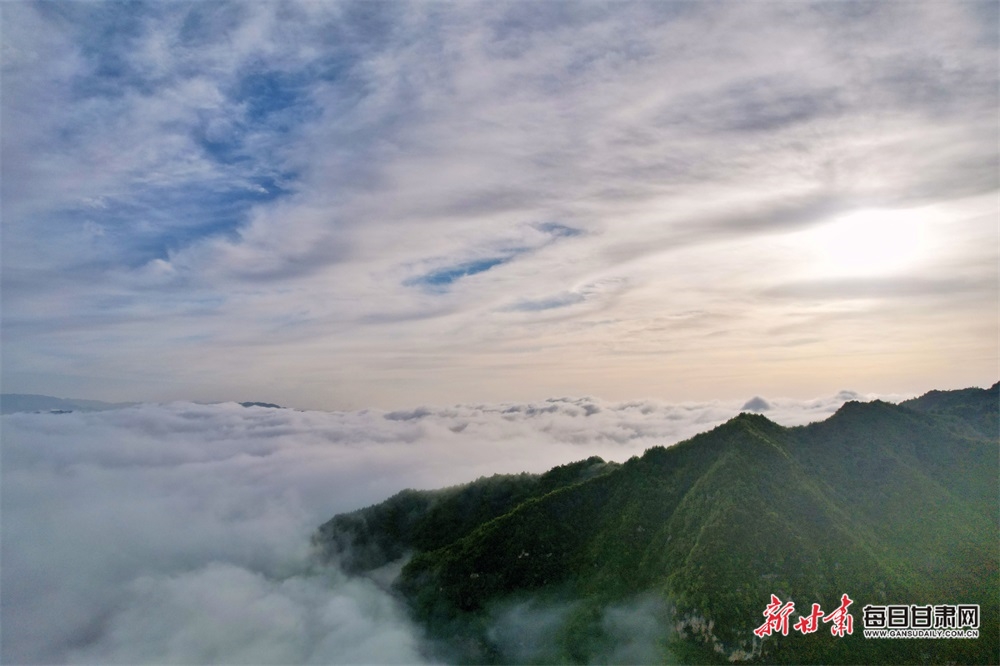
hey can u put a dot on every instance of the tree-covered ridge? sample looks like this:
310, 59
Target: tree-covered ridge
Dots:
971, 408
425, 520
891, 504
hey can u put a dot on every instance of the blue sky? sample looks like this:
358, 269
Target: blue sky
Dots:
339, 205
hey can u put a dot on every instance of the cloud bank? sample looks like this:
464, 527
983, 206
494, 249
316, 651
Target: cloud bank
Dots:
179, 533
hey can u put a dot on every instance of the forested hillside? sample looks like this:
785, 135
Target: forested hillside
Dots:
889, 504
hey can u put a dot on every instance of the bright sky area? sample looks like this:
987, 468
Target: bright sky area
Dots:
346, 205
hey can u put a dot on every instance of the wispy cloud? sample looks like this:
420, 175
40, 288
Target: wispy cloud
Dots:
203, 197
559, 301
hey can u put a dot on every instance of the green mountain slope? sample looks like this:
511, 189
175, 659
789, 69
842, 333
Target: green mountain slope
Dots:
889, 504
413, 520
968, 408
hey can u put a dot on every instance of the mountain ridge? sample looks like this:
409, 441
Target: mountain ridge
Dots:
14, 403
890, 503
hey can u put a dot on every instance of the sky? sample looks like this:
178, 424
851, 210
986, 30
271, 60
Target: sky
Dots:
178, 533
348, 205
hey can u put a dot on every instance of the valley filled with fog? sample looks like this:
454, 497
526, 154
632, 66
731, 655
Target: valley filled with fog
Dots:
180, 533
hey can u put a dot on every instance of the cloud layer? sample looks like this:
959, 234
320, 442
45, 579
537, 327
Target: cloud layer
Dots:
179, 533
354, 204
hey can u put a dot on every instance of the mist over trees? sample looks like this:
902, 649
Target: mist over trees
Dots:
182, 532
889, 504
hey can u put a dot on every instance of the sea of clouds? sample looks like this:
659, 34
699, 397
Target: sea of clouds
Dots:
179, 533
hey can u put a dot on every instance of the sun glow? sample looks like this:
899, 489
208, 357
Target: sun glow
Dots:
868, 242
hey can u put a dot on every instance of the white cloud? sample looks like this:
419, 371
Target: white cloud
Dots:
227, 614
179, 533
685, 148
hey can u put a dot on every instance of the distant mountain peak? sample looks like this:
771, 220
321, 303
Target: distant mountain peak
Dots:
756, 404
11, 403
